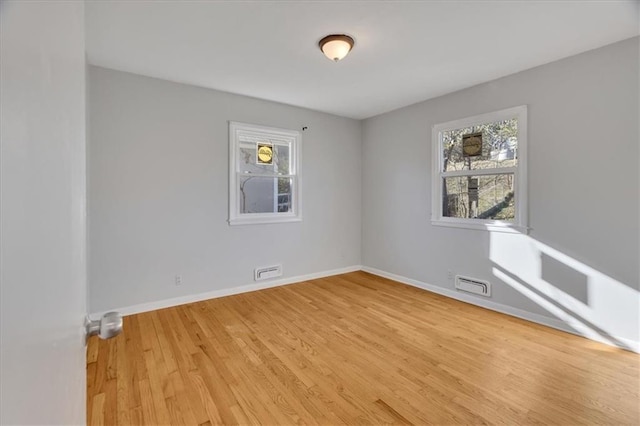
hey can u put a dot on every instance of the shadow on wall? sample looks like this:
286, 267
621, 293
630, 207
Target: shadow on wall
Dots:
590, 302
564, 278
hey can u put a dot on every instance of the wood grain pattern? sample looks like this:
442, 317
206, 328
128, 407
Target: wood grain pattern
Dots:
353, 349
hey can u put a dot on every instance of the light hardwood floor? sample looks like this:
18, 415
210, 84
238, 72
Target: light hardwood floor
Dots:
353, 349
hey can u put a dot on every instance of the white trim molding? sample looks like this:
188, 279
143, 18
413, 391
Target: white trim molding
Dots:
176, 301
625, 343
519, 173
269, 135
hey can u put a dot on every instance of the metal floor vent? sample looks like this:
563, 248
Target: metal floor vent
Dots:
267, 272
473, 285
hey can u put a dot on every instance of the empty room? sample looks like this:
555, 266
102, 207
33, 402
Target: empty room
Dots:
320, 212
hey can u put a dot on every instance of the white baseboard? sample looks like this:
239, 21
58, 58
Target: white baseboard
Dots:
505, 309
167, 303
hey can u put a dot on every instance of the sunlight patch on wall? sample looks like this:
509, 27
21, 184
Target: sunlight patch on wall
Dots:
590, 302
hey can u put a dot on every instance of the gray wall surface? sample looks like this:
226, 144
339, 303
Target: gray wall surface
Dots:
158, 192
579, 262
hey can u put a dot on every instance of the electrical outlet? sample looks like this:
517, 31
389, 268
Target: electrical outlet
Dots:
450, 275
178, 279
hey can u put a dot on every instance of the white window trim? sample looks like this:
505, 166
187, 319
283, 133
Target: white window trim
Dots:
520, 224
235, 217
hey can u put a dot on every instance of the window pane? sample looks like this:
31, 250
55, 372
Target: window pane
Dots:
248, 159
499, 147
265, 194
282, 159
479, 197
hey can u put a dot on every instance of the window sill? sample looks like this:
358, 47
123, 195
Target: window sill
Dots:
263, 219
483, 226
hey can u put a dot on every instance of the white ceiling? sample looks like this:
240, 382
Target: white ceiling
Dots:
405, 52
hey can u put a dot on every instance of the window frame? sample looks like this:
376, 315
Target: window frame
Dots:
520, 223
236, 131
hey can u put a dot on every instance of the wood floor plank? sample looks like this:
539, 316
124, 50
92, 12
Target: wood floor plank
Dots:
97, 413
157, 377
353, 349
122, 383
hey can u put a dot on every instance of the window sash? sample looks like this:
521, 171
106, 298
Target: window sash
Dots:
292, 202
290, 143
267, 175
480, 172
476, 219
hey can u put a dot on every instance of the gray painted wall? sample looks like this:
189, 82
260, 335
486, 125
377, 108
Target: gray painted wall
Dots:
42, 215
580, 260
158, 192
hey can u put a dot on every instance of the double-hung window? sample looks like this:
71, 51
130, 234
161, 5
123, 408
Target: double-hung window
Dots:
264, 174
479, 171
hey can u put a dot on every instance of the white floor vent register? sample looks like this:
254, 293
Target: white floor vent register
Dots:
267, 272
473, 285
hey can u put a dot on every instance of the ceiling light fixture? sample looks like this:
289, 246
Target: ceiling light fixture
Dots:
336, 46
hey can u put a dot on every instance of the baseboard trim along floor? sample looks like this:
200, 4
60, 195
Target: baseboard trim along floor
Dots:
176, 301
558, 324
